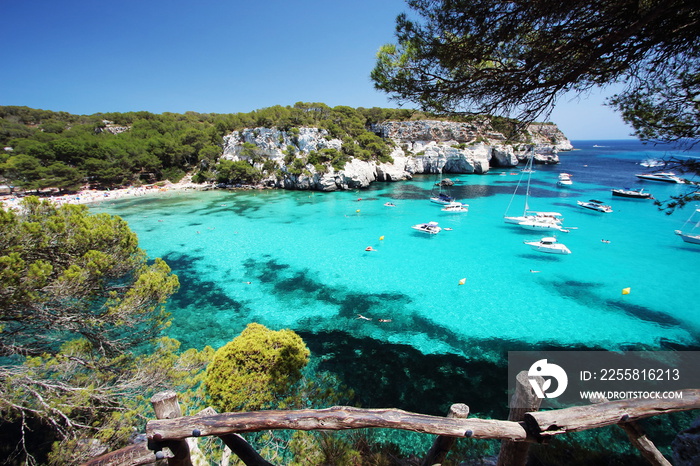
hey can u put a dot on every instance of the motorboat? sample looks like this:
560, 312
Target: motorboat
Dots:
564, 180
632, 193
651, 163
442, 198
666, 177
596, 205
456, 207
693, 234
431, 228
549, 245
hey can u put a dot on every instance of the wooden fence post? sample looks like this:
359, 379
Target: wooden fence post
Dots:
133, 455
640, 440
166, 407
238, 445
524, 400
443, 443
645, 446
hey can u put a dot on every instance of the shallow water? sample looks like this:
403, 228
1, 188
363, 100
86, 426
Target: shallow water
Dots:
297, 259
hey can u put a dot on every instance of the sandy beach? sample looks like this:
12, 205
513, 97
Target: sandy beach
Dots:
91, 196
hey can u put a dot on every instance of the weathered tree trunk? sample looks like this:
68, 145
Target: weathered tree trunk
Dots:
336, 418
549, 423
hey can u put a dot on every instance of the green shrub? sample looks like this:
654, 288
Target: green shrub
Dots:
255, 369
173, 174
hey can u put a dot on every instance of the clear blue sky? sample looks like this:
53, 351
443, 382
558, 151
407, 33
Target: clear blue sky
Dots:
212, 56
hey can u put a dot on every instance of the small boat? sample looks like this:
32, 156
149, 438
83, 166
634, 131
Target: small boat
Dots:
532, 219
650, 163
564, 180
666, 177
439, 196
633, 193
596, 205
692, 235
431, 228
548, 245
535, 215
456, 207
688, 238
442, 198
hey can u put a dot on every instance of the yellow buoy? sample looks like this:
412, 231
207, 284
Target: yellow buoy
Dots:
626, 290
358, 211
463, 281
381, 238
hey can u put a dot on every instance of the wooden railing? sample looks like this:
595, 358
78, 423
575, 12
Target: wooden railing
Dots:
168, 434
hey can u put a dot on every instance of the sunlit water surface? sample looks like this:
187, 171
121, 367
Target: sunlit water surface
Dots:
297, 259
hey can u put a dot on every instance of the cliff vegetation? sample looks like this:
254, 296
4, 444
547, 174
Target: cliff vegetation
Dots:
58, 150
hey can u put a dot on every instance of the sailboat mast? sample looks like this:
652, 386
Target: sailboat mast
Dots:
528, 168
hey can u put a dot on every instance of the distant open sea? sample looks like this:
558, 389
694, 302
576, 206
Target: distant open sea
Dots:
297, 259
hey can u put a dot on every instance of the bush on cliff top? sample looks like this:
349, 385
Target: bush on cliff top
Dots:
255, 369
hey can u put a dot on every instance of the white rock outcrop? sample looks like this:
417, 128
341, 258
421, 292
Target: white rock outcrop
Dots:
423, 146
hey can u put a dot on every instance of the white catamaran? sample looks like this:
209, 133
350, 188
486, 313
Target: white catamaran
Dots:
441, 197
533, 219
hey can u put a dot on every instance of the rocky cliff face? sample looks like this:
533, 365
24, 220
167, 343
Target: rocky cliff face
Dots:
424, 146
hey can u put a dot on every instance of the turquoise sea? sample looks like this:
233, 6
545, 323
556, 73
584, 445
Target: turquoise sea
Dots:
297, 259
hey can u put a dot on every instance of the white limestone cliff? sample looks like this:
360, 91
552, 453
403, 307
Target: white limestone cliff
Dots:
423, 146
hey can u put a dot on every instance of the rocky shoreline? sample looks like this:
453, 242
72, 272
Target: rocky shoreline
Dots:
419, 147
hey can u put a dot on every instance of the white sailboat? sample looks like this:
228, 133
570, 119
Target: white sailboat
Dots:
693, 234
533, 219
440, 197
